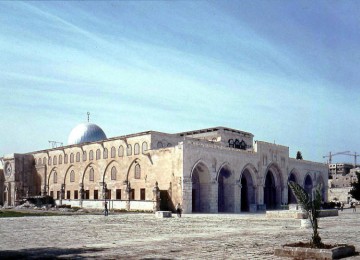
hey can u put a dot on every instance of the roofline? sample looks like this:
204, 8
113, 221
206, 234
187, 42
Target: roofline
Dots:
214, 129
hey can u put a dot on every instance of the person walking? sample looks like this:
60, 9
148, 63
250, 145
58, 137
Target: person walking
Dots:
178, 210
353, 205
106, 211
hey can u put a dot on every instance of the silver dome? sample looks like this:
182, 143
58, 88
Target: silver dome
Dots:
86, 132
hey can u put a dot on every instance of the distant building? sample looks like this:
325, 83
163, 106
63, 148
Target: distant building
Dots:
339, 169
209, 170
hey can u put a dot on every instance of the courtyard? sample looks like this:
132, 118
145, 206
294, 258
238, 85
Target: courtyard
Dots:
142, 236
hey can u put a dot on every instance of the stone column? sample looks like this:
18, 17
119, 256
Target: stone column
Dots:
127, 195
81, 194
62, 193
187, 195
237, 197
156, 198
260, 197
285, 199
213, 199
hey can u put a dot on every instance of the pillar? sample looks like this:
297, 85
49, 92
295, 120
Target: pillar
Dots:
187, 195
237, 196
156, 197
213, 193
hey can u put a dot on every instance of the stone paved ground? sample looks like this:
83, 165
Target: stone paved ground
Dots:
142, 236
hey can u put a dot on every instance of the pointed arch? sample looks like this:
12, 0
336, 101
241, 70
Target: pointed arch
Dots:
226, 188
201, 181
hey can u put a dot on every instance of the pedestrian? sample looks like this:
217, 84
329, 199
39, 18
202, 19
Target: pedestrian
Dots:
353, 206
106, 211
342, 206
178, 210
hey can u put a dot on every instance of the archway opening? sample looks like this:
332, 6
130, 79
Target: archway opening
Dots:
308, 185
291, 196
225, 191
247, 191
270, 191
201, 191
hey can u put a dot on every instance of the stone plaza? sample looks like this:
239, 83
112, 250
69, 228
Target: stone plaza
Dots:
143, 236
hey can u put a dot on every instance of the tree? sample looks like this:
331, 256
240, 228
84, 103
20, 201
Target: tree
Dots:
312, 207
355, 188
299, 155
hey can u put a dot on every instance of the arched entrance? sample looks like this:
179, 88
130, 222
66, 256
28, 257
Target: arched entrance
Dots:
247, 191
270, 191
201, 191
291, 196
308, 185
225, 190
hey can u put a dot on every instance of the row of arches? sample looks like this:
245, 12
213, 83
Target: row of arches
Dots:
244, 192
84, 156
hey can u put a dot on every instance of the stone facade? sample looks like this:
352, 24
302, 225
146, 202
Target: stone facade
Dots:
209, 170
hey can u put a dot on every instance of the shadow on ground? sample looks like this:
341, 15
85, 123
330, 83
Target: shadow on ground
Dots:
48, 253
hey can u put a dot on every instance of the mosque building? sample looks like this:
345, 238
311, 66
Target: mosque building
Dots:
209, 170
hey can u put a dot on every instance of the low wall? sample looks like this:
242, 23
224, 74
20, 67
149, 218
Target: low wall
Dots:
135, 205
299, 214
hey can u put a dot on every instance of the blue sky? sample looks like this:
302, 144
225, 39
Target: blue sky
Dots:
286, 71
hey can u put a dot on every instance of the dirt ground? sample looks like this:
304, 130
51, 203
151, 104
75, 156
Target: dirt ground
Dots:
143, 236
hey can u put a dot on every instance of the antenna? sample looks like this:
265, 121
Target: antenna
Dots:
88, 114
55, 144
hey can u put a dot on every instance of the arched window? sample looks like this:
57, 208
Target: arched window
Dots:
60, 159
105, 153
129, 150
98, 153
91, 155
55, 177
91, 174
72, 176
113, 173
78, 156
55, 160
71, 158
121, 151
44, 160
136, 149
137, 171
144, 146
113, 152
84, 156
39, 161
49, 160
65, 158
160, 145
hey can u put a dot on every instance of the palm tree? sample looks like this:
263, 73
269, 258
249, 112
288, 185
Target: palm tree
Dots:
311, 204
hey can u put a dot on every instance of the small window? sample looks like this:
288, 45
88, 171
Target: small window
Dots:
76, 195
49, 160
136, 149
113, 152
142, 194
160, 145
87, 194
84, 156
65, 158
144, 147
60, 159
91, 155
108, 194
68, 193
91, 174
72, 176
137, 171
129, 150
71, 158
96, 194
39, 161
98, 154
58, 194
105, 153
121, 151
78, 156
113, 173
52, 194
55, 160
118, 194
55, 177
132, 194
